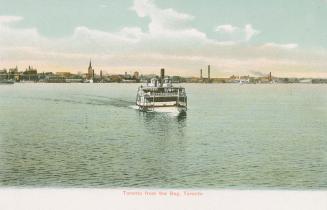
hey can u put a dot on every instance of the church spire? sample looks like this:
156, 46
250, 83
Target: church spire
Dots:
90, 65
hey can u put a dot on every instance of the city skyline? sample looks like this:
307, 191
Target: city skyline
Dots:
183, 37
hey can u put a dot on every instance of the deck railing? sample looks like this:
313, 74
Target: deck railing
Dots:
165, 94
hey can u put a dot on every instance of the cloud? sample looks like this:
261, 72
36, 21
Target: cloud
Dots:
147, 8
166, 22
288, 46
236, 34
250, 32
10, 19
226, 28
11, 37
169, 41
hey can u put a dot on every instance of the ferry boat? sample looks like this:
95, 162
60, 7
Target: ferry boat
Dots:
161, 96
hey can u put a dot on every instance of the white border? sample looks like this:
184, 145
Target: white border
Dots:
80, 199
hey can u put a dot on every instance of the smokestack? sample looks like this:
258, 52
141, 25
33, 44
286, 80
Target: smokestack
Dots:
162, 73
200, 73
209, 72
162, 76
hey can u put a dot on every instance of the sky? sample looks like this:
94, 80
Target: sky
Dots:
240, 37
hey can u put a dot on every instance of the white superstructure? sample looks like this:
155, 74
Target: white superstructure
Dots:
160, 95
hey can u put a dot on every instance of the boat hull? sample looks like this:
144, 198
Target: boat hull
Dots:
163, 109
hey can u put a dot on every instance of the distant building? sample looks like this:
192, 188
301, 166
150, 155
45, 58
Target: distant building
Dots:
30, 74
136, 75
63, 74
54, 79
13, 74
3, 74
115, 78
177, 79
13, 70
127, 76
90, 72
319, 81
30, 70
270, 77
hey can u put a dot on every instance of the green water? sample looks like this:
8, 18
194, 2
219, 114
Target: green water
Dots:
233, 136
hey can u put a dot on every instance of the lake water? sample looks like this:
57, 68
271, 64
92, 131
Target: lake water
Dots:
233, 136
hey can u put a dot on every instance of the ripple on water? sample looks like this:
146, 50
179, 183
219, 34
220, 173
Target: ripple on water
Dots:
232, 137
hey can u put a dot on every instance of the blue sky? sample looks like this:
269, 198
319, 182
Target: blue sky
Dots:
288, 38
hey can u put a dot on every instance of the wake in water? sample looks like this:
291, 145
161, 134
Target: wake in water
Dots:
104, 100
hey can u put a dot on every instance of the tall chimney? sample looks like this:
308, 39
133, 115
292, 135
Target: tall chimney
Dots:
209, 72
162, 76
200, 73
162, 73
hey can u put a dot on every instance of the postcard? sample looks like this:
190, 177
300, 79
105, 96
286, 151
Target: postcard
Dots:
153, 104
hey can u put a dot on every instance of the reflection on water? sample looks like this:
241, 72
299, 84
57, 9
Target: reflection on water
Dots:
182, 117
164, 118
164, 124
165, 148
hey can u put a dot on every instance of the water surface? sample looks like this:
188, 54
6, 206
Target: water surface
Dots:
233, 136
